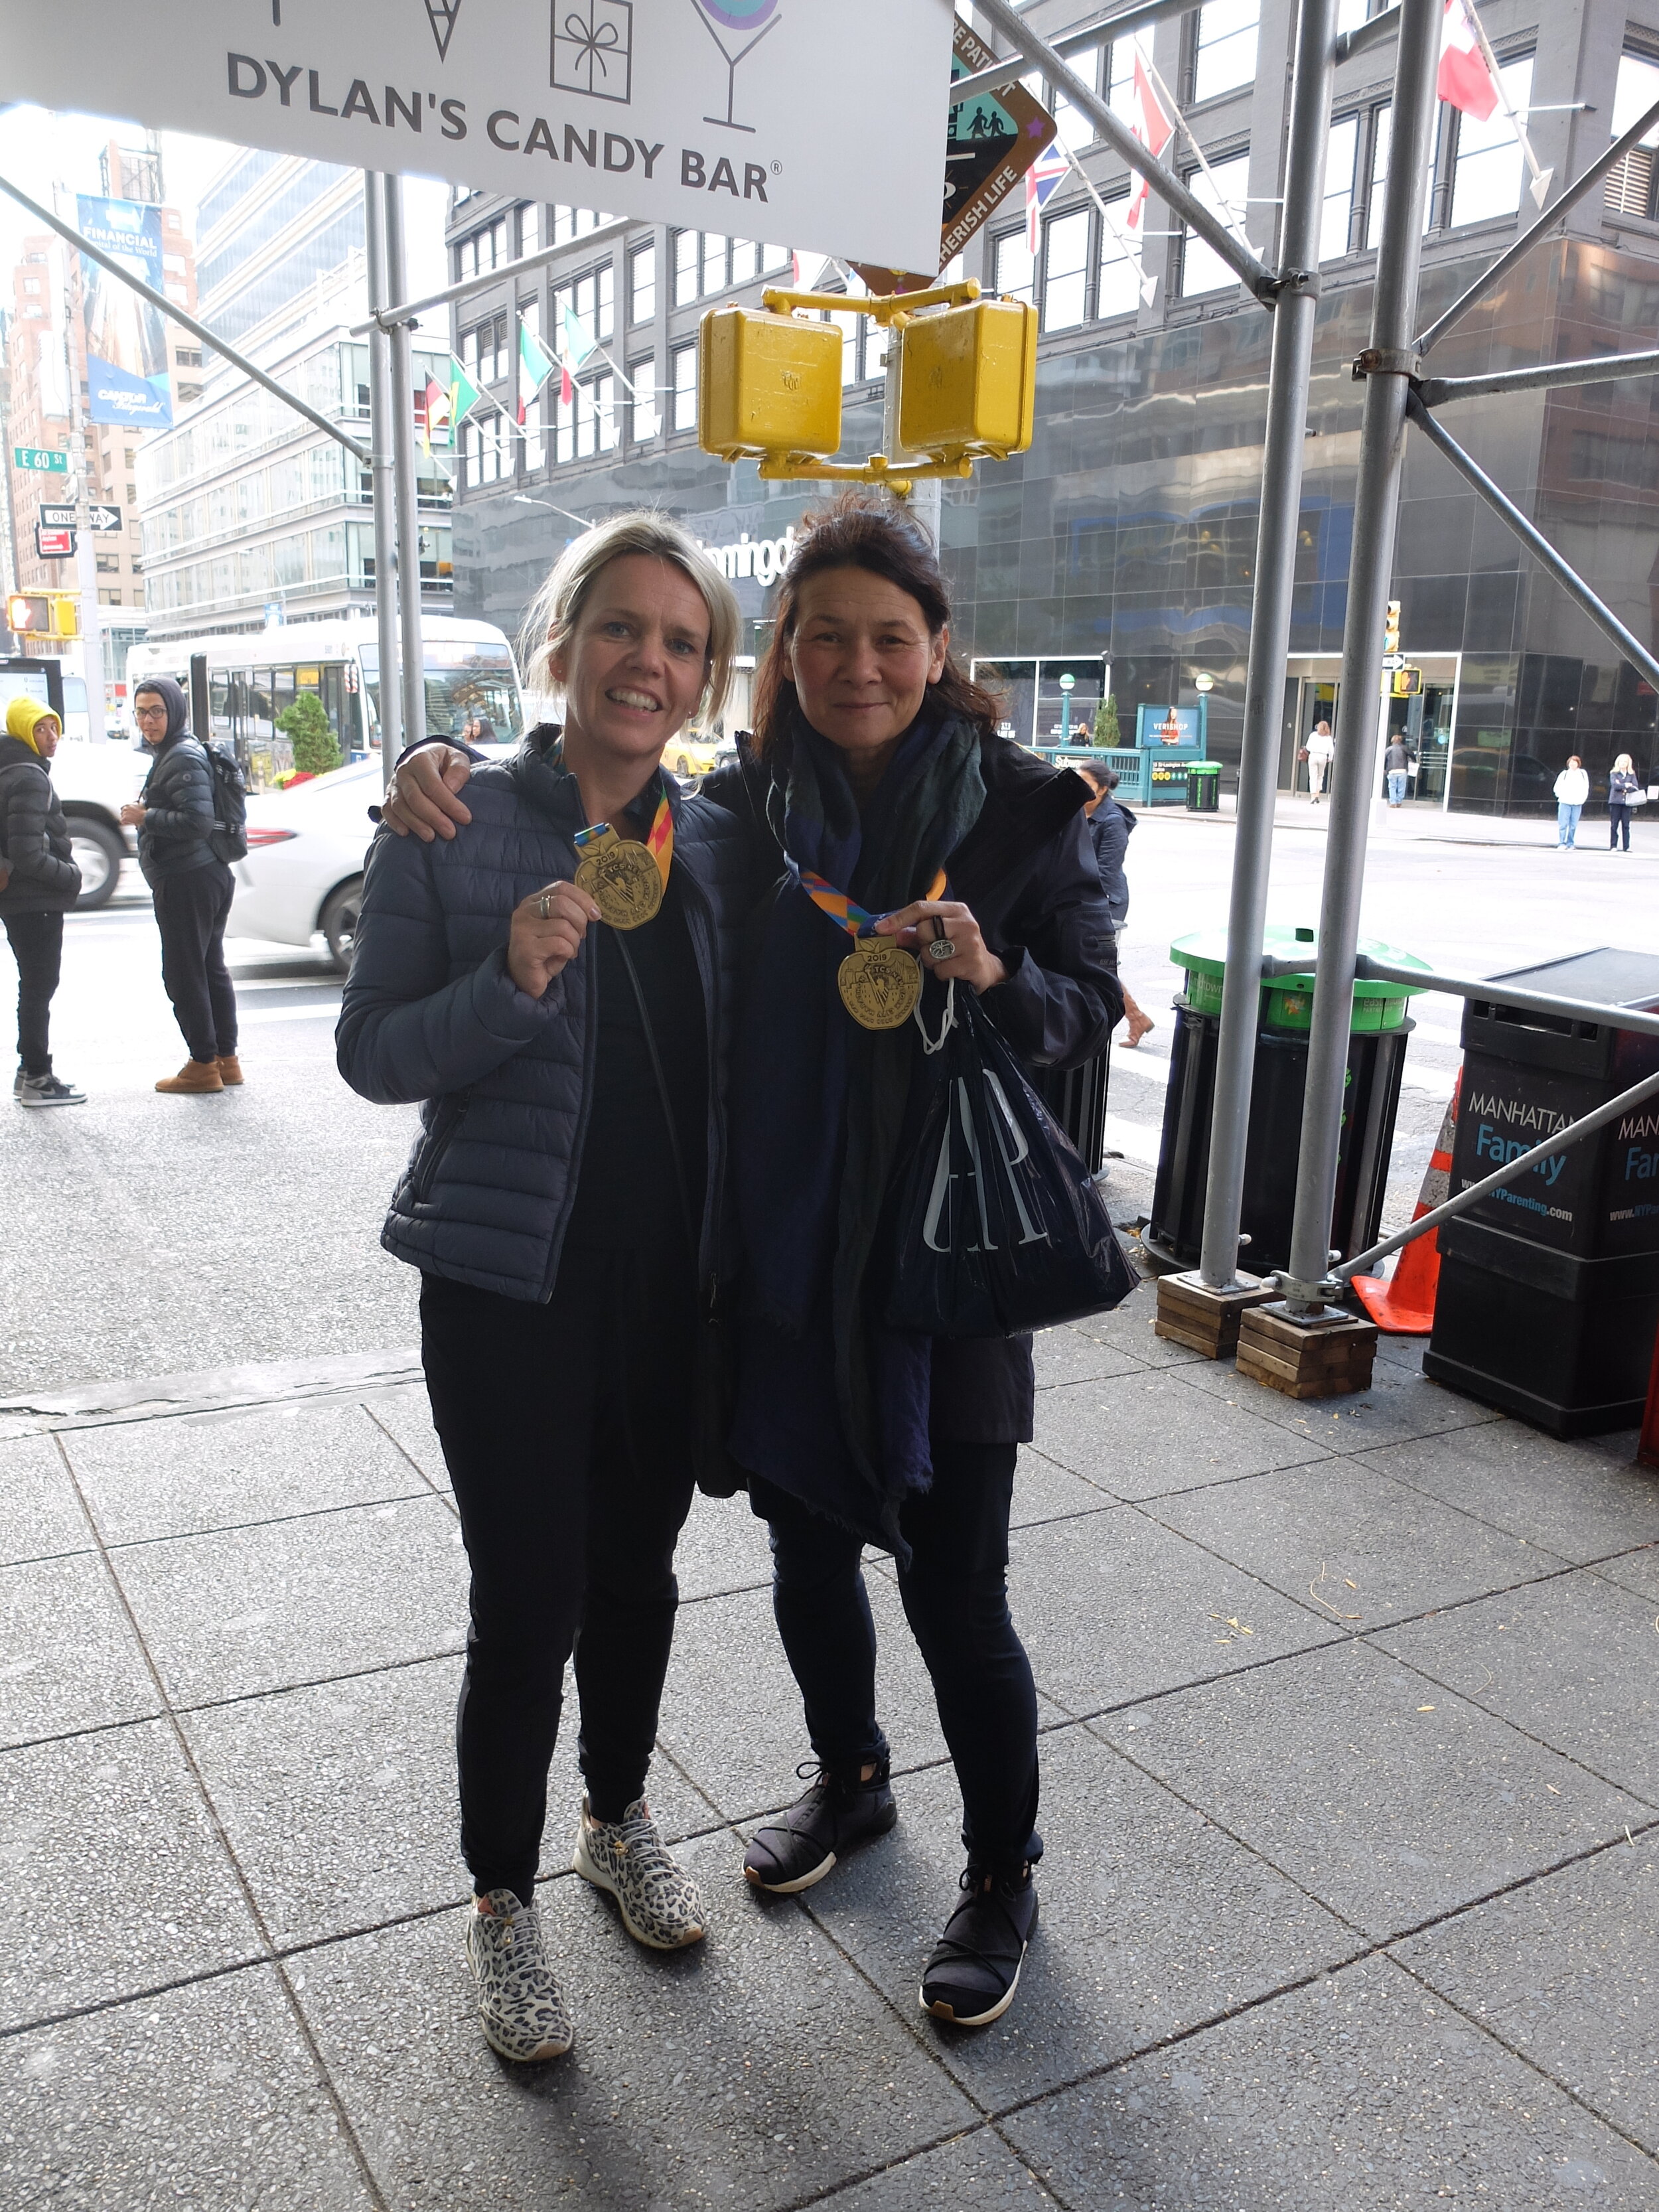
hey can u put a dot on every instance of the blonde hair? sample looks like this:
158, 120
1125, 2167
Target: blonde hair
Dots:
1626, 762
556, 609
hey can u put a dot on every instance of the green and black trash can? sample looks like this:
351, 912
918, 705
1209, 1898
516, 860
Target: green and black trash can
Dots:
1376, 1057
1203, 787
1548, 1298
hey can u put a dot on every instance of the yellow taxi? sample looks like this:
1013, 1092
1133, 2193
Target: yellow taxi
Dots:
692, 754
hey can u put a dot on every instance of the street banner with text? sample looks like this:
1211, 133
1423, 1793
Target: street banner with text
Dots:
127, 377
791, 121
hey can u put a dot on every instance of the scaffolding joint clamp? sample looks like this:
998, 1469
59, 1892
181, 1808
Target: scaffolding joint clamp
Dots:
1286, 281
1388, 361
1328, 1290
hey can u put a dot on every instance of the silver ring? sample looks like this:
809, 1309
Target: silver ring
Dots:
544, 906
942, 948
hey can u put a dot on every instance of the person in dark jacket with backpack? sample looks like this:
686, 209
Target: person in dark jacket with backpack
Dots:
550, 981
39, 883
177, 821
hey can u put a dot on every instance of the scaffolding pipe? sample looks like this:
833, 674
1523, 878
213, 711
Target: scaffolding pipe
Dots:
1100, 30
1606, 368
412, 653
1251, 273
1488, 990
1546, 222
1277, 530
406, 310
389, 704
1364, 36
1376, 502
1538, 545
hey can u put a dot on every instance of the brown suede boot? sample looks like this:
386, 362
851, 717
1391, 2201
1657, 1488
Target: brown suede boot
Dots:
195, 1075
230, 1070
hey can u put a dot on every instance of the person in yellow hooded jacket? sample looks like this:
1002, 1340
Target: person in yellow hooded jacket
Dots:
39, 883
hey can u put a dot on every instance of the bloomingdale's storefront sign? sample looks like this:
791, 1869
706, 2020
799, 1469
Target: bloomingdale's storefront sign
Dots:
814, 124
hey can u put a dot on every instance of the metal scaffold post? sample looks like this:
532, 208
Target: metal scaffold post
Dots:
406, 488
1387, 365
1294, 315
381, 477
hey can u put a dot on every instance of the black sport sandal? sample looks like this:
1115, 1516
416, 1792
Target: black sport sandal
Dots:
972, 1973
839, 1811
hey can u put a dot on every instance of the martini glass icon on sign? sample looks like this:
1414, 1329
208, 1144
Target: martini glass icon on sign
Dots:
759, 17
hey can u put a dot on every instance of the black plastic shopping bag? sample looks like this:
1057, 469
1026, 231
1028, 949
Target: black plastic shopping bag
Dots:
998, 1226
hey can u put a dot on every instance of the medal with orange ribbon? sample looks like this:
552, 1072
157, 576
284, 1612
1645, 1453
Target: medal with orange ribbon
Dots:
626, 880
878, 980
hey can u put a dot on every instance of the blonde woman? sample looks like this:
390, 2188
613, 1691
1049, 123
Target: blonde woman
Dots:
1624, 794
547, 980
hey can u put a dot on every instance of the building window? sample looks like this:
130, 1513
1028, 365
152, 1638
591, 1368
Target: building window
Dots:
1224, 47
570, 223
1630, 187
484, 350
484, 441
1119, 292
484, 250
1075, 130
1202, 269
1011, 258
685, 267
647, 418
642, 285
1336, 219
1120, 80
716, 262
1489, 171
1065, 271
586, 424
187, 356
682, 362
591, 299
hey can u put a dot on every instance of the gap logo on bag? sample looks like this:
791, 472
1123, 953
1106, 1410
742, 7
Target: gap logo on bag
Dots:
1015, 1148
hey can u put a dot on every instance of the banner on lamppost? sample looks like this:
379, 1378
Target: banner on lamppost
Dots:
792, 121
127, 376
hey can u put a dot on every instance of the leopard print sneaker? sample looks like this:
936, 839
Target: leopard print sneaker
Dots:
659, 1905
523, 2014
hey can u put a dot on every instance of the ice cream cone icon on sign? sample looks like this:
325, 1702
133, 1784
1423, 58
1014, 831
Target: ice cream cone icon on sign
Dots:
741, 16
441, 15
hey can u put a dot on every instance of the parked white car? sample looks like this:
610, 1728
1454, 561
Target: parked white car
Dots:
303, 875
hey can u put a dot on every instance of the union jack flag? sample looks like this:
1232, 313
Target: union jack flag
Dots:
1050, 166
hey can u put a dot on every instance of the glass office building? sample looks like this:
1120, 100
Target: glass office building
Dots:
1120, 548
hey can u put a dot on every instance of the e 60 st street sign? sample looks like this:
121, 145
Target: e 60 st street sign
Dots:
42, 459
819, 125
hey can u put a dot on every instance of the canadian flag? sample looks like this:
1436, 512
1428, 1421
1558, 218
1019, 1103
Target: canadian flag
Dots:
1154, 127
1465, 81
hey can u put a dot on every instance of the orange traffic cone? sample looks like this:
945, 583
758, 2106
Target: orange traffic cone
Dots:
1404, 1306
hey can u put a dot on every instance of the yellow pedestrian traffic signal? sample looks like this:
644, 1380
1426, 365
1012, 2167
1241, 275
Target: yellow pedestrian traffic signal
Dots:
43, 614
1391, 628
968, 380
767, 384
1408, 682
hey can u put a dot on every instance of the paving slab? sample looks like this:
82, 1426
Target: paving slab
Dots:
1144, 1434
1130, 1329
977, 2173
111, 1879
1150, 1921
1044, 1490
1116, 1606
1362, 2090
1566, 1971
1575, 1500
1402, 1403
1345, 1539
406, 1413
755, 2070
205, 2095
1633, 1571
1574, 1661
723, 1546
40, 1516
68, 1658
220, 1470
1389, 1799
1067, 1355
248, 1609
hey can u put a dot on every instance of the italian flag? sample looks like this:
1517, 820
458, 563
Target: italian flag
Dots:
535, 366
1465, 82
464, 394
574, 346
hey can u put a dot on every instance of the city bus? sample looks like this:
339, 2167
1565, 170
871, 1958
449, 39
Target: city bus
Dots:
254, 676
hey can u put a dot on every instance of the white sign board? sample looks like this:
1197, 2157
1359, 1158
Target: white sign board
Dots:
815, 124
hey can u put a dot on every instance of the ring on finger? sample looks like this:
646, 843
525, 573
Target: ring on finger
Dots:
942, 948
544, 905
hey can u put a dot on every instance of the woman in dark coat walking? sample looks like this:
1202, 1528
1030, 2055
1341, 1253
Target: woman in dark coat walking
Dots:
39, 883
1111, 824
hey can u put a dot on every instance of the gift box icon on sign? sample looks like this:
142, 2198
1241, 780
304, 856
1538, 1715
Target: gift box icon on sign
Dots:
593, 47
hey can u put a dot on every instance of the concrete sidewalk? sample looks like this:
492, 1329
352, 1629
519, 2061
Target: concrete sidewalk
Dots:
1427, 824
1350, 1796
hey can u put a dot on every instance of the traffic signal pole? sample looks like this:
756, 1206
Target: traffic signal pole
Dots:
86, 561
390, 701
405, 486
1387, 365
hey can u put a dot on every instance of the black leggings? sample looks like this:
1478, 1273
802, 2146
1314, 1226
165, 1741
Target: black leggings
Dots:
37, 944
566, 1429
191, 913
1618, 819
955, 1600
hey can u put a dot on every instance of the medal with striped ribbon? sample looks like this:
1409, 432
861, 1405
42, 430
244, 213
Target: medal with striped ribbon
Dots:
878, 980
625, 881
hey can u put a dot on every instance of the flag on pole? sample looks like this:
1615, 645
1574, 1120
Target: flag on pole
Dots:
574, 346
1050, 166
535, 366
436, 426
1154, 126
1465, 82
464, 394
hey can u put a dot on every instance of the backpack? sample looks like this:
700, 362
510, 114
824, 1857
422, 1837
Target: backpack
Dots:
227, 838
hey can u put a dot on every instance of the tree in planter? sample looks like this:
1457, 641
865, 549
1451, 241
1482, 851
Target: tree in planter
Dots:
308, 730
1105, 733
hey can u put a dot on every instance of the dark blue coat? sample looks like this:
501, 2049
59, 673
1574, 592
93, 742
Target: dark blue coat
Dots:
431, 1014
1109, 830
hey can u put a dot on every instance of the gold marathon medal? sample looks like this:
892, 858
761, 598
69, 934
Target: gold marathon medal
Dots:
880, 983
621, 879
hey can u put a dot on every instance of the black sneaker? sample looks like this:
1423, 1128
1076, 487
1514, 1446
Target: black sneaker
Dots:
971, 1977
838, 1812
46, 1090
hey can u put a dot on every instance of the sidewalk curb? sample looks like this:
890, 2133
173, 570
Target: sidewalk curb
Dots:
205, 1390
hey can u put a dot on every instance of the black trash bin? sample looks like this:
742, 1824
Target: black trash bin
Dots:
1076, 1096
1548, 1298
1203, 787
1376, 1056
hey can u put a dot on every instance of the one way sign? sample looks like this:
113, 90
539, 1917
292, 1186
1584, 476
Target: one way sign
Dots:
65, 517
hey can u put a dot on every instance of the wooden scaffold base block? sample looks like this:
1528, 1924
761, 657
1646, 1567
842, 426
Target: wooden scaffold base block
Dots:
1190, 1312
1326, 1355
